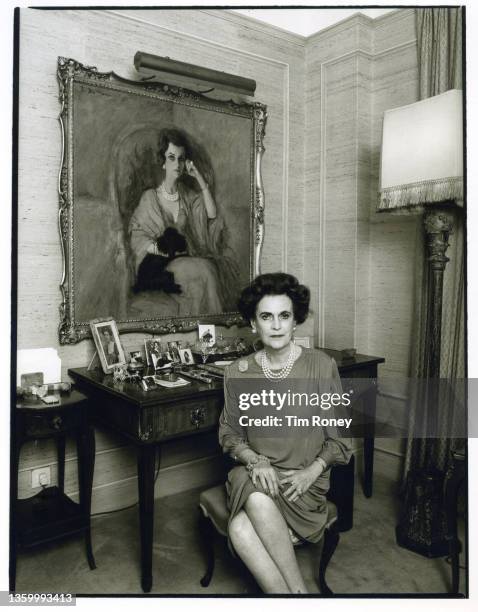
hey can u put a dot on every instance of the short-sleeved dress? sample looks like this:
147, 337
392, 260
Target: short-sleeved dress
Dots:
306, 516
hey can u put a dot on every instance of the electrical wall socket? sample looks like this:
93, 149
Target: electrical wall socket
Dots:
41, 477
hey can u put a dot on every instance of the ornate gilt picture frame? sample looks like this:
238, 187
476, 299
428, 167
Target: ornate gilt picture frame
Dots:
114, 207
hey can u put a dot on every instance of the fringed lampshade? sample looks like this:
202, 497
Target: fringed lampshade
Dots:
422, 154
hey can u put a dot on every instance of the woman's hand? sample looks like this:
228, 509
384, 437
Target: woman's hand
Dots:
266, 475
300, 481
194, 172
209, 203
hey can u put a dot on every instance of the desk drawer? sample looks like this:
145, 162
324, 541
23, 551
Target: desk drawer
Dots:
51, 423
181, 418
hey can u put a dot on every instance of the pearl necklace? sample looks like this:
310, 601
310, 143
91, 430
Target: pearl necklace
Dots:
171, 197
284, 371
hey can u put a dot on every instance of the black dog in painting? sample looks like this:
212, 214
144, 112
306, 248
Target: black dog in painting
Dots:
152, 275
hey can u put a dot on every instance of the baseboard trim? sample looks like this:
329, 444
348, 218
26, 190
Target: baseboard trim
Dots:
171, 480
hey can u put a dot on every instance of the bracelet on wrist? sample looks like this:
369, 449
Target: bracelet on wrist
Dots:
321, 462
259, 459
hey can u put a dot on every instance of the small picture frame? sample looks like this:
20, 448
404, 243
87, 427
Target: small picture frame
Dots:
108, 345
136, 358
186, 356
207, 332
161, 361
173, 349
31, 379
152, 346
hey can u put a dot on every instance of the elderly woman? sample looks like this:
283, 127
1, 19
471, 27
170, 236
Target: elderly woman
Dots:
277, 490
193, 212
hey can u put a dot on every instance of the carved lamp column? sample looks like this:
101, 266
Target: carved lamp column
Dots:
421, 172
438, 226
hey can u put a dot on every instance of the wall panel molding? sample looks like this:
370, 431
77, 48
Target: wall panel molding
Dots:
383, 21
367, 54
322, 204
355, 54
390, 50
337, 28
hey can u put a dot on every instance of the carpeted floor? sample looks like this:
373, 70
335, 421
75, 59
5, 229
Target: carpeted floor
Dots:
367, 560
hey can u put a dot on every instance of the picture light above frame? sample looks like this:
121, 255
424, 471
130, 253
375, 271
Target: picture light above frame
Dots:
112, 169
165, 69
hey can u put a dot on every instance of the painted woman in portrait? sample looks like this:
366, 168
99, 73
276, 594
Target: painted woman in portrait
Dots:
182, 201
162, 213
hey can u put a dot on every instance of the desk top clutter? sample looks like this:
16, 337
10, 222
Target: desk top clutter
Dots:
174, 363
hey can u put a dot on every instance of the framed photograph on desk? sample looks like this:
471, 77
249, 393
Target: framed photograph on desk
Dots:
152, 347
186, 356
108, 345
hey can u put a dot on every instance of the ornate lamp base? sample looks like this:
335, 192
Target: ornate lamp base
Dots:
422, 527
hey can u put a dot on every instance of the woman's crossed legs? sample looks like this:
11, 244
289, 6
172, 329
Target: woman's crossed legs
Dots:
261, 538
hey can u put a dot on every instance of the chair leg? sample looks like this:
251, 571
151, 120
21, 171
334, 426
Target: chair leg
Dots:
207, 532
331, 540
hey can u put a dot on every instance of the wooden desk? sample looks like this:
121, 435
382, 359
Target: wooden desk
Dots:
148, 418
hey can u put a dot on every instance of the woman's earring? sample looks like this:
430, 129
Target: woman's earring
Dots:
164, 166
253, 330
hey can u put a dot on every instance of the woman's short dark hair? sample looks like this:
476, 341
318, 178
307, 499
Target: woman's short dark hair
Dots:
177, 138
277, 283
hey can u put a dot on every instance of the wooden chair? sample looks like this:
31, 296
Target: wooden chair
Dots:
214, 516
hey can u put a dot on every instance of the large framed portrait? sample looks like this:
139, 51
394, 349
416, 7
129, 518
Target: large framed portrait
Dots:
161, 203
